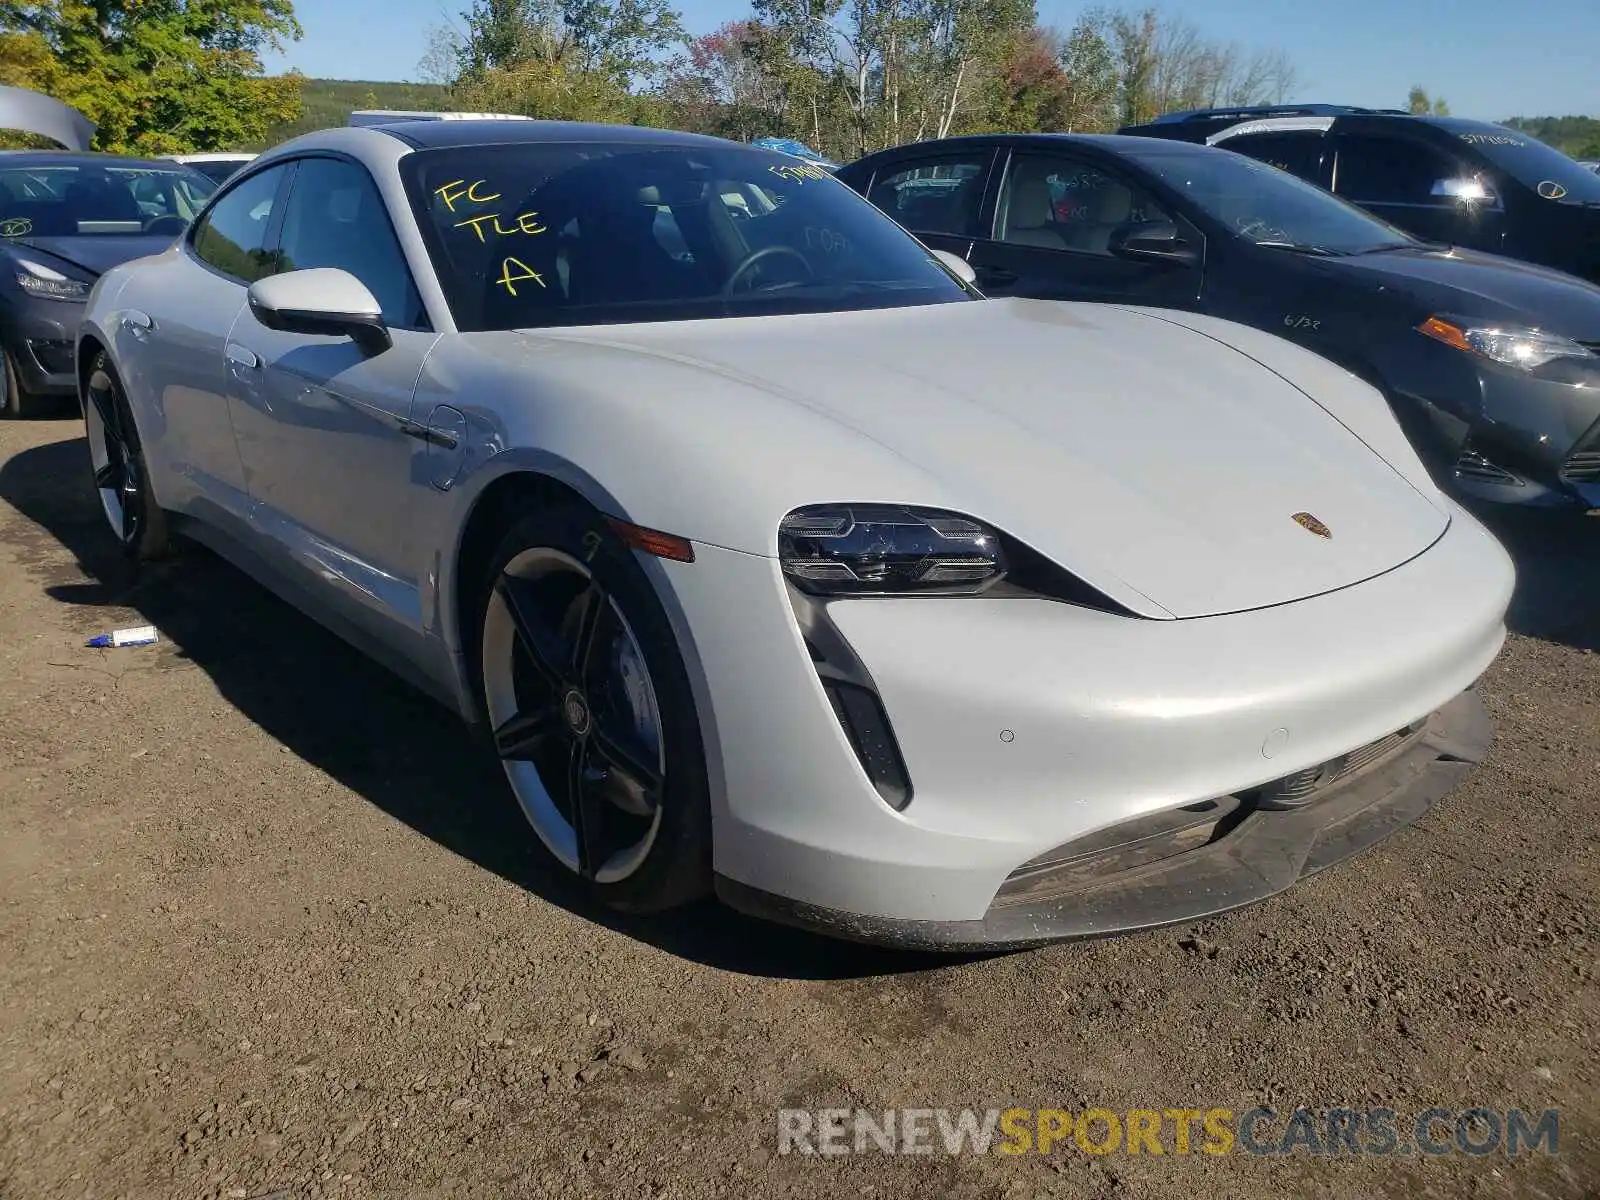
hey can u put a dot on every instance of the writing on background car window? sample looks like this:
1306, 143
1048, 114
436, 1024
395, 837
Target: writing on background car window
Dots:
1491, 139
826, 240
16, 227
524, 273
460, 189
798, 172
527, 223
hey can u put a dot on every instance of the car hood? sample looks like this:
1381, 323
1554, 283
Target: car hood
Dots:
96, 254
1125, 446
1485, 285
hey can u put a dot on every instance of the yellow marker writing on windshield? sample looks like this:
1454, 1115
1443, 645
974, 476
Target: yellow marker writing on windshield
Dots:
509, 281
460, 189
523, 223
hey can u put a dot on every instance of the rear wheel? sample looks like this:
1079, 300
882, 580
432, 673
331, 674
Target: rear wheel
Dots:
15, 403
120, 474
590, 712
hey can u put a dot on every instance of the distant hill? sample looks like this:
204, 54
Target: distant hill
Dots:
1577, 136
331, 101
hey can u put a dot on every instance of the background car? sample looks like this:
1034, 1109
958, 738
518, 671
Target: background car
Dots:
770, 558
1492, 365
64, 219
1468, 183
216, 166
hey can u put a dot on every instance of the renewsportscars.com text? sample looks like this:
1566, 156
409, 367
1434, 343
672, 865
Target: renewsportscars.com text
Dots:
1176, 1131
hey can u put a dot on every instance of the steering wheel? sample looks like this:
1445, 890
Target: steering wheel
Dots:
756, 256
178, 224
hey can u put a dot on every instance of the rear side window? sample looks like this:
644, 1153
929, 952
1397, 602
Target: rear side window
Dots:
934, 195
1377, 170
1297, 153
232, 237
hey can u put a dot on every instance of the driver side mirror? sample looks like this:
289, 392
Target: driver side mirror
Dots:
321, 300
1153, 241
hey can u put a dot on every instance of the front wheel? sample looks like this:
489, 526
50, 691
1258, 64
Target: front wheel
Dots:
590, 712
120, 474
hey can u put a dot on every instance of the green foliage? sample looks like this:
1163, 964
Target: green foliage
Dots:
155, 76
1419, 103
1577, 136
621, 39
329, 102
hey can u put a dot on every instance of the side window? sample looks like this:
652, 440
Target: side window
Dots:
1376, 170
934, 195
1297, 153
336, 218
1061, 204
233, 235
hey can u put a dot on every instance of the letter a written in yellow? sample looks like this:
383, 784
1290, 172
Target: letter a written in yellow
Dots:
524, 272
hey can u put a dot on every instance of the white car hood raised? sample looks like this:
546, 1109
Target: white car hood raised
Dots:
1121, 445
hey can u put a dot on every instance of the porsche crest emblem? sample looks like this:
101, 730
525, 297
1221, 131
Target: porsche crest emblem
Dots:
1309, 523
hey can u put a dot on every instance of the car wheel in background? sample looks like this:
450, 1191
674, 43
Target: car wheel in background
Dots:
589, 709
120, 474
15, 403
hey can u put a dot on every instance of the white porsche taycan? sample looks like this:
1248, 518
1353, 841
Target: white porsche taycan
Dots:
773, 559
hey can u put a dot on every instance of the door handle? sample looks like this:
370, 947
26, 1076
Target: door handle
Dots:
426, 433
242, 358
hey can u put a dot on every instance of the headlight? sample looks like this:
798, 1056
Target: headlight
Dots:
887, 549
39, 280
1526, 349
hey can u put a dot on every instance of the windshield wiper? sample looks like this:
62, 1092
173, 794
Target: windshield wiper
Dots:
1303, 248
1381, 247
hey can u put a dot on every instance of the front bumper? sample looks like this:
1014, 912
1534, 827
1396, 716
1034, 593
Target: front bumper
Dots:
40, 335
1026, 726
1531, 441
1147, 875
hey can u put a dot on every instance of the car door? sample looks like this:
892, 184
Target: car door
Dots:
178, 316
938, 197
328, 450
1421, 188
1057, 222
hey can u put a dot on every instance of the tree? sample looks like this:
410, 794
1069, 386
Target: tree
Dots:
622, 38
1091, 77
441, 61
1419, 103
156, 76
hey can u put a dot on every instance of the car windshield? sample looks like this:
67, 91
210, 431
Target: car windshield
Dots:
574, 233
1543, 168
88, 199
1268, 206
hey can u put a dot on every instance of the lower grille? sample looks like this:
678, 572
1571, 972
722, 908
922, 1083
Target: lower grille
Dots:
1299, 789
1474, 466
55, 357
1582, 467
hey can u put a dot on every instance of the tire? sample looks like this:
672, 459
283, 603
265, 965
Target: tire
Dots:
121, 476
610, 732
15, 403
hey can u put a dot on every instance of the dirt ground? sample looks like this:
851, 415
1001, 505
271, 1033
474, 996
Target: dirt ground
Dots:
270, 928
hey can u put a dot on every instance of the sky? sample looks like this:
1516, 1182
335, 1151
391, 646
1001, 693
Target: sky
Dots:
1489, 60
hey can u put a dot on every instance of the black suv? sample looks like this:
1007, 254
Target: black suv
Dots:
1492, 365
1468, 183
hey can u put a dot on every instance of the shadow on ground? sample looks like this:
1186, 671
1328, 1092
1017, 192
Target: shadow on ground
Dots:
349, 717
